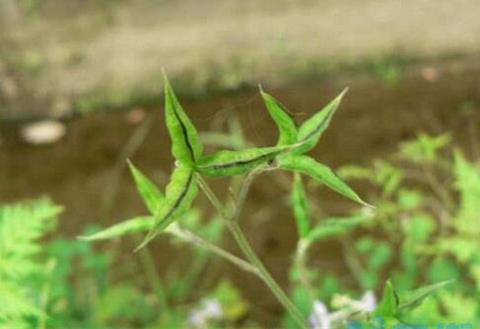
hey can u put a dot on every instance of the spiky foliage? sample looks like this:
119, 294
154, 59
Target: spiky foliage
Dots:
21, 228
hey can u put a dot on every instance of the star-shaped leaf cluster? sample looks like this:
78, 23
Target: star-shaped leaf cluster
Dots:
187, 149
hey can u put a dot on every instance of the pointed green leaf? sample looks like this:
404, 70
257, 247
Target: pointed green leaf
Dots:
186, 146
412, 299
334, 227
229, 163
137, 224
321, 173
284, 121
312, 129
147, 189
300, 206
388, 306
181, 191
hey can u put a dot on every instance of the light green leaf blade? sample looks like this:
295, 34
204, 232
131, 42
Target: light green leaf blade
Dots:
301, 208
230, 163
180, 193
321, 173
149, 192
388, 305
334, 227
137, 224
284, 121
312, 129
186, 145
412, 299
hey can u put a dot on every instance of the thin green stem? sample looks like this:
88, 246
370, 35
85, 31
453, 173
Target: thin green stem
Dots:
152, 276
300, 262
190, 237
242, 195
132, 145
439, 188
353, 263
265, 275
248, 251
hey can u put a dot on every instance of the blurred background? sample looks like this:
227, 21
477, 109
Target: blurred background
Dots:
81, 91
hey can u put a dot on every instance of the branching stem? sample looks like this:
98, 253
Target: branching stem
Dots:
190, 237
246, 248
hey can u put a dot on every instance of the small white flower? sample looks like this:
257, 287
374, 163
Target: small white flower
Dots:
197, 319
368, 302
320, 317
212, 309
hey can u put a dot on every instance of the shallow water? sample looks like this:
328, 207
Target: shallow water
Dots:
81, 170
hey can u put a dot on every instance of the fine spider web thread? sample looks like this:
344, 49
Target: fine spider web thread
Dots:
245, 110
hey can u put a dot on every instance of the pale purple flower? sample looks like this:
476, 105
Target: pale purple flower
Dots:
320, 317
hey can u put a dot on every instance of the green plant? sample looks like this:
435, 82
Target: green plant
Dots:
423, 230
65, 283
22, 271
192, 165
191, 168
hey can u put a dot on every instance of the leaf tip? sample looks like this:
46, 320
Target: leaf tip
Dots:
129, 162
344, 91
367, 205
140, 246
166, 82
148, 238
131, 166
87, 237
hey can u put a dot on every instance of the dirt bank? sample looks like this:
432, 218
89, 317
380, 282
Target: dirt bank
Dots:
57, 56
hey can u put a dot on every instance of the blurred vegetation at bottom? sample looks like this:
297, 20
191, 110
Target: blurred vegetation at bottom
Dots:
425, 229
66, 284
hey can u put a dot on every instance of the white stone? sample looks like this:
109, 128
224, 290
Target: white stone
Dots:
43, 132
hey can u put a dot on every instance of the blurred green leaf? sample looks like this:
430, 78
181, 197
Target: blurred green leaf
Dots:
389, 304
300, 206
412, 299
364, 244
424, 148
233, 304
379, 256
443, 269
420, 227
134, 225
149, 192
467, 181
22, 228
388, 176
355, 172
409, 199
123, 303
334, 227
